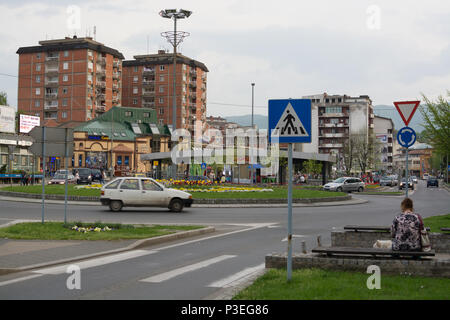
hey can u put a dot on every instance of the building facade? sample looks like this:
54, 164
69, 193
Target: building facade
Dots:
384, 128
148, 83
71, 79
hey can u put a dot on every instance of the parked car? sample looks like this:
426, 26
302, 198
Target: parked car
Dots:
142, 192
346, 184
96, 175
61, 179
84, 175
388, 181
425, 176
403, 184
414, 179
432, 182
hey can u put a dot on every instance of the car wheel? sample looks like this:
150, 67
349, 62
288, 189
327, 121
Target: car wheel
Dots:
115, 205
360, 189
339, 189
176, 205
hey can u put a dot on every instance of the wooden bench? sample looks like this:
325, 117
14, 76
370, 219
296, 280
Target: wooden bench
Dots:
329, 251
371, 228
445, 229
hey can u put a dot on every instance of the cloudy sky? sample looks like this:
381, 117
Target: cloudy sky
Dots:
389, 50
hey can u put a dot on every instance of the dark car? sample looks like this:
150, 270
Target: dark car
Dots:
403, 184
432, 182
84, 175
96, 175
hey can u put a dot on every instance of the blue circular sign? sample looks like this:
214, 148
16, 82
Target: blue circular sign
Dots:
203, 166
406, 137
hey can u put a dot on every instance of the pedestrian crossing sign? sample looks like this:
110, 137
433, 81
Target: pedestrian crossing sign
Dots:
290, 121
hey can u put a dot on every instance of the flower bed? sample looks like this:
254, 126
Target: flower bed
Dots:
225, 189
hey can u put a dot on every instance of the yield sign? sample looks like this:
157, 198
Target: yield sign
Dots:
406, 109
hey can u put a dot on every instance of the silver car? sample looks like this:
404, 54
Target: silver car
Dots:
346, 184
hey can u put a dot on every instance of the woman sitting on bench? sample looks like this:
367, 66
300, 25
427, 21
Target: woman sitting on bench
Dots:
405, 229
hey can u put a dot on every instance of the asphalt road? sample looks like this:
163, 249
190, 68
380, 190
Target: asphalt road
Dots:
200, 268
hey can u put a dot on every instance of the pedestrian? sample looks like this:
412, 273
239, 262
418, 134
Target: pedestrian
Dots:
406, 228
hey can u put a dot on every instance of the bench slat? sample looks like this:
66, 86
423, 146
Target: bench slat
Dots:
370, 251
368, 228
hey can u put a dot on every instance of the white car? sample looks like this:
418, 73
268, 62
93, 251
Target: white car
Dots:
142, 192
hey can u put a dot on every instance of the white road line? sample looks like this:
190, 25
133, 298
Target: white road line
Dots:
237, 278
5, 283
96, 262
176, 272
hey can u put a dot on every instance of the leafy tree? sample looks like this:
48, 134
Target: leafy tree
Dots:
437, 123
3, 98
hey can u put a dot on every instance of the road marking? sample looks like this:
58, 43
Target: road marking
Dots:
237, 278
176, 272
96, 262
5, 283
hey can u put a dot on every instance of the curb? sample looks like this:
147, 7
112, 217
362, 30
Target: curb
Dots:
136, 245
96, 200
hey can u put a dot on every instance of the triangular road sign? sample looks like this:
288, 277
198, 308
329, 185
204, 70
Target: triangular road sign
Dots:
406, 109
290, 124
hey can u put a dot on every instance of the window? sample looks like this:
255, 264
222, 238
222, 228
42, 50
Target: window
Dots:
150, 185
333, 110
146, 114
65, 65
135, 79
64, 114
127, 162
38, 56
38, 79
130, 184
37, 103
161, 110
161, 100
135, 69
64, 90
38, 67
161, 78
66, 53
65, 78
161, 122
161, 89
113, 185
119, 160
135, 90
134, 101
38, 91
64, 102
128, 114
162, 68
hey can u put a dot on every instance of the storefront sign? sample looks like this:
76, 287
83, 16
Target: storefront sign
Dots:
98, 137
7, 119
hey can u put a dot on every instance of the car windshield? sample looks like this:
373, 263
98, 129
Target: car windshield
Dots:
59, 176
339, 180
84, 171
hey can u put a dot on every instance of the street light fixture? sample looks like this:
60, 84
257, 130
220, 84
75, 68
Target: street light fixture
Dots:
175, 38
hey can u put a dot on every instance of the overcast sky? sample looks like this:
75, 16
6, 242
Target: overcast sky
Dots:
389, 50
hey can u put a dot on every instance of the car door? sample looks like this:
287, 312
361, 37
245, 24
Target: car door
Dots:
346, 185
152, 194
130, 192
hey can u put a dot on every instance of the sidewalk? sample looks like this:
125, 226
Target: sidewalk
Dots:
24, 255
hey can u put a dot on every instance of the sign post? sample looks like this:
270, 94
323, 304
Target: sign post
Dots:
290, 122
406, 136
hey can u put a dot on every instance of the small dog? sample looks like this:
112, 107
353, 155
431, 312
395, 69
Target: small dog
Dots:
383, 244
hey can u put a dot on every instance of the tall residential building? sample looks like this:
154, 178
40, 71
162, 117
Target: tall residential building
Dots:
71, 79
384, 128
334, 118
148, 83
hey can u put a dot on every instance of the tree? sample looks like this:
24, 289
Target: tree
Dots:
3, 99
437, 123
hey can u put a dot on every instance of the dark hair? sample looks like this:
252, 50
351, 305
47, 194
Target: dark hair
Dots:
407, 203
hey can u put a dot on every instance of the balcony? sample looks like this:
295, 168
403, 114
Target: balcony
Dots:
146, 93
333, 135
51, 70
333, 125
51, 95
334, 115
146, 83
148, 71
101, 84
116, 64
100, 96
331, 145
115, 86
193, 72
51, 83
116, 75
100, 71
52, 58
100, 108
148, 104
193, 84
101, 60
51, 107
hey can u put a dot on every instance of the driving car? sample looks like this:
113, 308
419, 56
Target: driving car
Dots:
142, 192
414, 179
403, 184
59, 178
432, 182
388, 181
84, 175
425, 176
346, 184
96, 175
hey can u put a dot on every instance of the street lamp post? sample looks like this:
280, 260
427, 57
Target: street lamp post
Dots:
175, 38
253, 95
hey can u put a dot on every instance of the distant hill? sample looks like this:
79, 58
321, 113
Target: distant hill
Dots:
379, 110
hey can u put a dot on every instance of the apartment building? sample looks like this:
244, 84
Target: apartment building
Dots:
70, 79
148, 83
334, 118
384, 128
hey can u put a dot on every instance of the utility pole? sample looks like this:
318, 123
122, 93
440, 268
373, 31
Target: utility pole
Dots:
253, 87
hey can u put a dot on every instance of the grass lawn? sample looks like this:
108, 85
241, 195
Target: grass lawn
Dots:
55, 189
59, 231
435, 223
316, 284
278, 192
